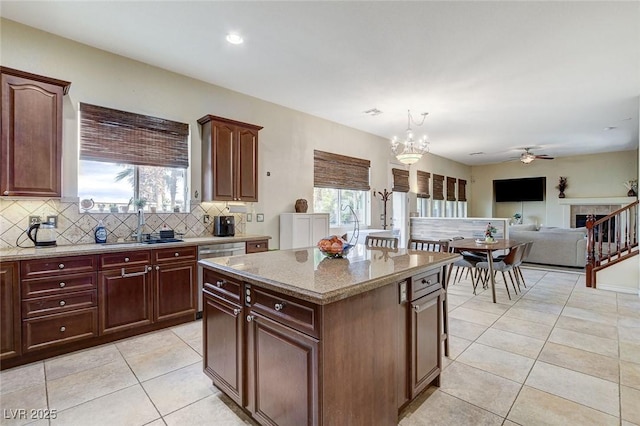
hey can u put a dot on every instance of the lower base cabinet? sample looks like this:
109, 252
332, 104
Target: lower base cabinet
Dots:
10, 319
425, 342
125, 299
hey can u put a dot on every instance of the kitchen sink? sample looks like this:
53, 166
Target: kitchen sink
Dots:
162, 240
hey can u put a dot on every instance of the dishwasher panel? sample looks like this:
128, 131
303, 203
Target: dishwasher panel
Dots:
215, 250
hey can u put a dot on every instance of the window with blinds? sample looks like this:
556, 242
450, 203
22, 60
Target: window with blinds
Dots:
132, 160
462, 190
423, 184
438, 187
451, 188
400, 180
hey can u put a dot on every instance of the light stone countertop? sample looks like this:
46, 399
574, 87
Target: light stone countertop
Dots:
7, 255
308, 275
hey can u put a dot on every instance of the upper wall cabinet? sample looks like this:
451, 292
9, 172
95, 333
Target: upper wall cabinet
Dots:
31, 154
229, 160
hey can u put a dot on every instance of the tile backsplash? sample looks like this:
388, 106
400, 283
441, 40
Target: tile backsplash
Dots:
76, 227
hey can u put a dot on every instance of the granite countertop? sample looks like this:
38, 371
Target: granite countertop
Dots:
82, 249
308, 275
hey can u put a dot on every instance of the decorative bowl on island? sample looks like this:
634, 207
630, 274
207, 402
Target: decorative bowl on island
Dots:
334, 247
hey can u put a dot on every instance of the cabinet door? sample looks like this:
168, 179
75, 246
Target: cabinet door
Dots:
31, 137
319, 227
124, 302
425, 341
223, 349
223, 164
282, 371
10, 310
301, 234
175, 290
247, 165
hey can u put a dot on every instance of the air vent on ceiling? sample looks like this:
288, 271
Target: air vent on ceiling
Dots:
373, 111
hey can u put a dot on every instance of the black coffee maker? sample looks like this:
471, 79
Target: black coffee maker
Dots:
224, 226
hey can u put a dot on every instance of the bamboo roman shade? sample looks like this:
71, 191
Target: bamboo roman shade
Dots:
423, 184
400, 180
438, 187
340, 172
124, 137
451, 189
462, 190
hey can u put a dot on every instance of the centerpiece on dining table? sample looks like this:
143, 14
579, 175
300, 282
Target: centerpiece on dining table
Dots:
489, 234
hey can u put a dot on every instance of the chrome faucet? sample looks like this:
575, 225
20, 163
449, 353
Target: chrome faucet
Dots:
140, 225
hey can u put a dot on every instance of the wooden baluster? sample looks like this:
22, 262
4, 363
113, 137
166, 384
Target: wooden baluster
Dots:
590, 275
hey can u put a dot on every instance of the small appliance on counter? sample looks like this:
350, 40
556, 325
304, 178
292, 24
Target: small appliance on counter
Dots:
43, 234
224, 226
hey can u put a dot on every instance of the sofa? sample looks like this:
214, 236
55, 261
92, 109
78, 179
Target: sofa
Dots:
553, 246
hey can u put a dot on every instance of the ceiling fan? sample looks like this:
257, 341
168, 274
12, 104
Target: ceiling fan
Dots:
527, 156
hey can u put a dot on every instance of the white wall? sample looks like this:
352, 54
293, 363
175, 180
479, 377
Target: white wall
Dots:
286, 142
597, 175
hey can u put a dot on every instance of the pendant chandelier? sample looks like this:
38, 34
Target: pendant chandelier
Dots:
409, 150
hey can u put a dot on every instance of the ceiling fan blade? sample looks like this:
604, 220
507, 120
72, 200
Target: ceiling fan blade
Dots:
544, 157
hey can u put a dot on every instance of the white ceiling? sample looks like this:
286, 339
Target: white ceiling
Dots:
494, 76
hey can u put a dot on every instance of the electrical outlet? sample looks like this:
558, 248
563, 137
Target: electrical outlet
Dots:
34, 219
53, 219
206, 219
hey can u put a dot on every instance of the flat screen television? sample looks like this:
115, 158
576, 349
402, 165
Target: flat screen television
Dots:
524, 189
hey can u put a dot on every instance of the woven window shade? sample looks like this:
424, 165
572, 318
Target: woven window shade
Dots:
438, 187
400, 180
462, 190
423, 184
122, 137
340, 172
451, 189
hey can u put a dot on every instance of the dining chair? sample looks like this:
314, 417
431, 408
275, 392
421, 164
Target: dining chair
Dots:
507, 264
381, 242
429, 245
525, 254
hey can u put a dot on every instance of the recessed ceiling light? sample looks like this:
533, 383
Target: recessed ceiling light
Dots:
477, 153
234, 38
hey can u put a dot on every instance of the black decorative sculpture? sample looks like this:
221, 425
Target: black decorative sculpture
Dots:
385, 198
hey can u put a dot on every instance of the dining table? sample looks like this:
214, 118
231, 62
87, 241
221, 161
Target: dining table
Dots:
482, 246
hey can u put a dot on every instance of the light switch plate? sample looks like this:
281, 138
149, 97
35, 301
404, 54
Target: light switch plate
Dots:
259, 217
53, 219
34, 219
249, 217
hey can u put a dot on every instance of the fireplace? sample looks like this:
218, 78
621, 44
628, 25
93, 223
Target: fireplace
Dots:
581, 220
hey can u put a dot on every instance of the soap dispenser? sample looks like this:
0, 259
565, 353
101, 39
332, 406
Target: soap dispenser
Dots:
101, 233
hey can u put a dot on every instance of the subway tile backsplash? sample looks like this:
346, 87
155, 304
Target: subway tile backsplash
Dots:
75, 227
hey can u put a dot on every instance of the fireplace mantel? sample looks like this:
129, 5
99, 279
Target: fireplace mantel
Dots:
603, 205
600, 200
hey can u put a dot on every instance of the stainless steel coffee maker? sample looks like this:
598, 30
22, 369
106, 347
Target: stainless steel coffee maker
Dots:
43, 234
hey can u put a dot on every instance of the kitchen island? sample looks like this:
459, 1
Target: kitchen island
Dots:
295, 338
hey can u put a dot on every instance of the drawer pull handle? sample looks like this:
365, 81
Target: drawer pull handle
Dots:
236, 312
427, 282
62, 303
220, 283
61, 266
6, 192
62, 285
250, 318
279, 306
126, 259
63, 329
176, 254
134, 274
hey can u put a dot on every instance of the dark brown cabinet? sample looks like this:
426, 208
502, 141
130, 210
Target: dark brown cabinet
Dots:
10, 340
229, 159
175, 283
31, 134
425, 342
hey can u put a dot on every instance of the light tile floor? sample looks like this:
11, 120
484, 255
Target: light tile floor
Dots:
557, 353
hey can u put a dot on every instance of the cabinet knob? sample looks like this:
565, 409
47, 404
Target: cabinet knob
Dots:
63, 329
62, 285
62, 303
61, 266
236, 312
250, 318
279, 306
126, 259
157, 268
427, 282
6, 192
220, 283
257, 245
176, 254
149, 268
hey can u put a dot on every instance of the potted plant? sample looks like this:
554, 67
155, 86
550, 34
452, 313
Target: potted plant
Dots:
101, 207
113, 208
517, 218
165, 206
125, 209
140, 203
632, 186
562, 185
490, 233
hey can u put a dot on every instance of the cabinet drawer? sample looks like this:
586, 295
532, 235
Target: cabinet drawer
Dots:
58, 303
424, 283
59, 329
59, 284
124, 259
257, 246
176, 254
53, 266
298, 314
221, 286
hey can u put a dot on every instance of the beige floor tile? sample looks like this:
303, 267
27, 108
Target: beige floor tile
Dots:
501, 363
588, 327
74, 389
457, 300
580, 360
147, 365
609, 298
526, 328
534, 407
474, 316
530, 315
21, 402
593, 306
147, 343
626, 423
188, 331
21, 377
179, 388
129, 406
158, 422
82, 360
511, 342
630, 374
630, 401
205, 411
629, 334
196, 344
586, 314
628, 318
477, 387
457, 345
587, 342
630, 352
486, 306
578, 387
441, 409
535, 305
466, 330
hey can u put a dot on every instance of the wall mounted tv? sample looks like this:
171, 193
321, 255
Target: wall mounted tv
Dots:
525, 189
